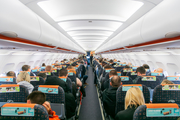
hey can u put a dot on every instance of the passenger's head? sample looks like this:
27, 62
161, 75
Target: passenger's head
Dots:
126, 66
43, 64
36, 97
159, 70
146, 66
141, 71
70, 67
63, 72
48, 68
107, 66
23, 76
165, 81
112, 73
134, 97
26, 68
43, 75
36, 67
81, 62
11, 73
115, 81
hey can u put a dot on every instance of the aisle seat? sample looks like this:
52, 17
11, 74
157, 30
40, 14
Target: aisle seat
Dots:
155, 111
56, 96
36, 80
121, 93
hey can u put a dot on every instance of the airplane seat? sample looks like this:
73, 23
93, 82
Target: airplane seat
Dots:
119, 68
132, 75
72, 76
13, 92
151, 84
174, 79
7, 80
37, 81
165, 111
56, 96
48, 73
126, 80
167, 93
23, 111
121, 93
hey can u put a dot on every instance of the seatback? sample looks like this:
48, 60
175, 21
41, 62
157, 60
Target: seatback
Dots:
7, 80
149, 81
55, 72
56, 95
126, 80
174, 79
132, 74
35, 71
158, 75
23, 111
43, 68
119, 68
68, 82
167, 93
72, 76
121, 93
125, 71
14, 92
48, 73
36, 80
165, 111
134, 68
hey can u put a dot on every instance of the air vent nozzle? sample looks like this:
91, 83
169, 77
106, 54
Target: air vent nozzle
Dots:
9, 34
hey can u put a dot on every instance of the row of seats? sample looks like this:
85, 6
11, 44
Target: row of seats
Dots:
150, 85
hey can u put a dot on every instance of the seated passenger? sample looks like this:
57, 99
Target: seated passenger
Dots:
38, 97
106, 81
134, 98
49, 69
146, 66
159, 70
43, 75
70, 103
24, 79
11, 73
109, 96
125, 68
27, 69
140, 72
165, 81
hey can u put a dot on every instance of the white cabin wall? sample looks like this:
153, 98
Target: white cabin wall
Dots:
13, 61
168, 62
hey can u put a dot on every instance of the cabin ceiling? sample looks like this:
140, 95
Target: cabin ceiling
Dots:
90, 23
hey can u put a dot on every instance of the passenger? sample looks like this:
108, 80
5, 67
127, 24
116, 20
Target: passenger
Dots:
43, 75
24, 79
83, 72
38, 97
159, 70
125, 68
134, 98
130, 64
70, 103
27, 69
11, 73
165, 81
147, 68
43, 65
48, 68
140, 72
106, 81
109, 96
112, 62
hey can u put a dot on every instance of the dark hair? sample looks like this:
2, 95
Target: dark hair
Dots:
43, 64
127, 66
141, 70
37, 97
113, 72
25, 67
63, 72
43, 75
146, 66
116, 81
107, 66
111, 61
11, 73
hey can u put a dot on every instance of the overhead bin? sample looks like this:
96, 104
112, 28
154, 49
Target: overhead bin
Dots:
162, 19
19, 19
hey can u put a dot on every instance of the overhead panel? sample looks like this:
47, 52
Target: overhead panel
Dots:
91, 22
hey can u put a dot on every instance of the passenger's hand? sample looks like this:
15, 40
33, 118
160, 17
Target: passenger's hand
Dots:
47, 105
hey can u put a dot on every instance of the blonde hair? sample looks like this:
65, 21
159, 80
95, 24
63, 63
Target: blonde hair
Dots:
134, 97
23, 76
166, 82
48, 68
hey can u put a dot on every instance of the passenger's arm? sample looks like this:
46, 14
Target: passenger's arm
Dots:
78, 82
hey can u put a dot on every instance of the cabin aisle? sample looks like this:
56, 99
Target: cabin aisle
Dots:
90, 109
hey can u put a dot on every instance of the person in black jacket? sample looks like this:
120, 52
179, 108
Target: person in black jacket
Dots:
134, 98
109, 96
70, 103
